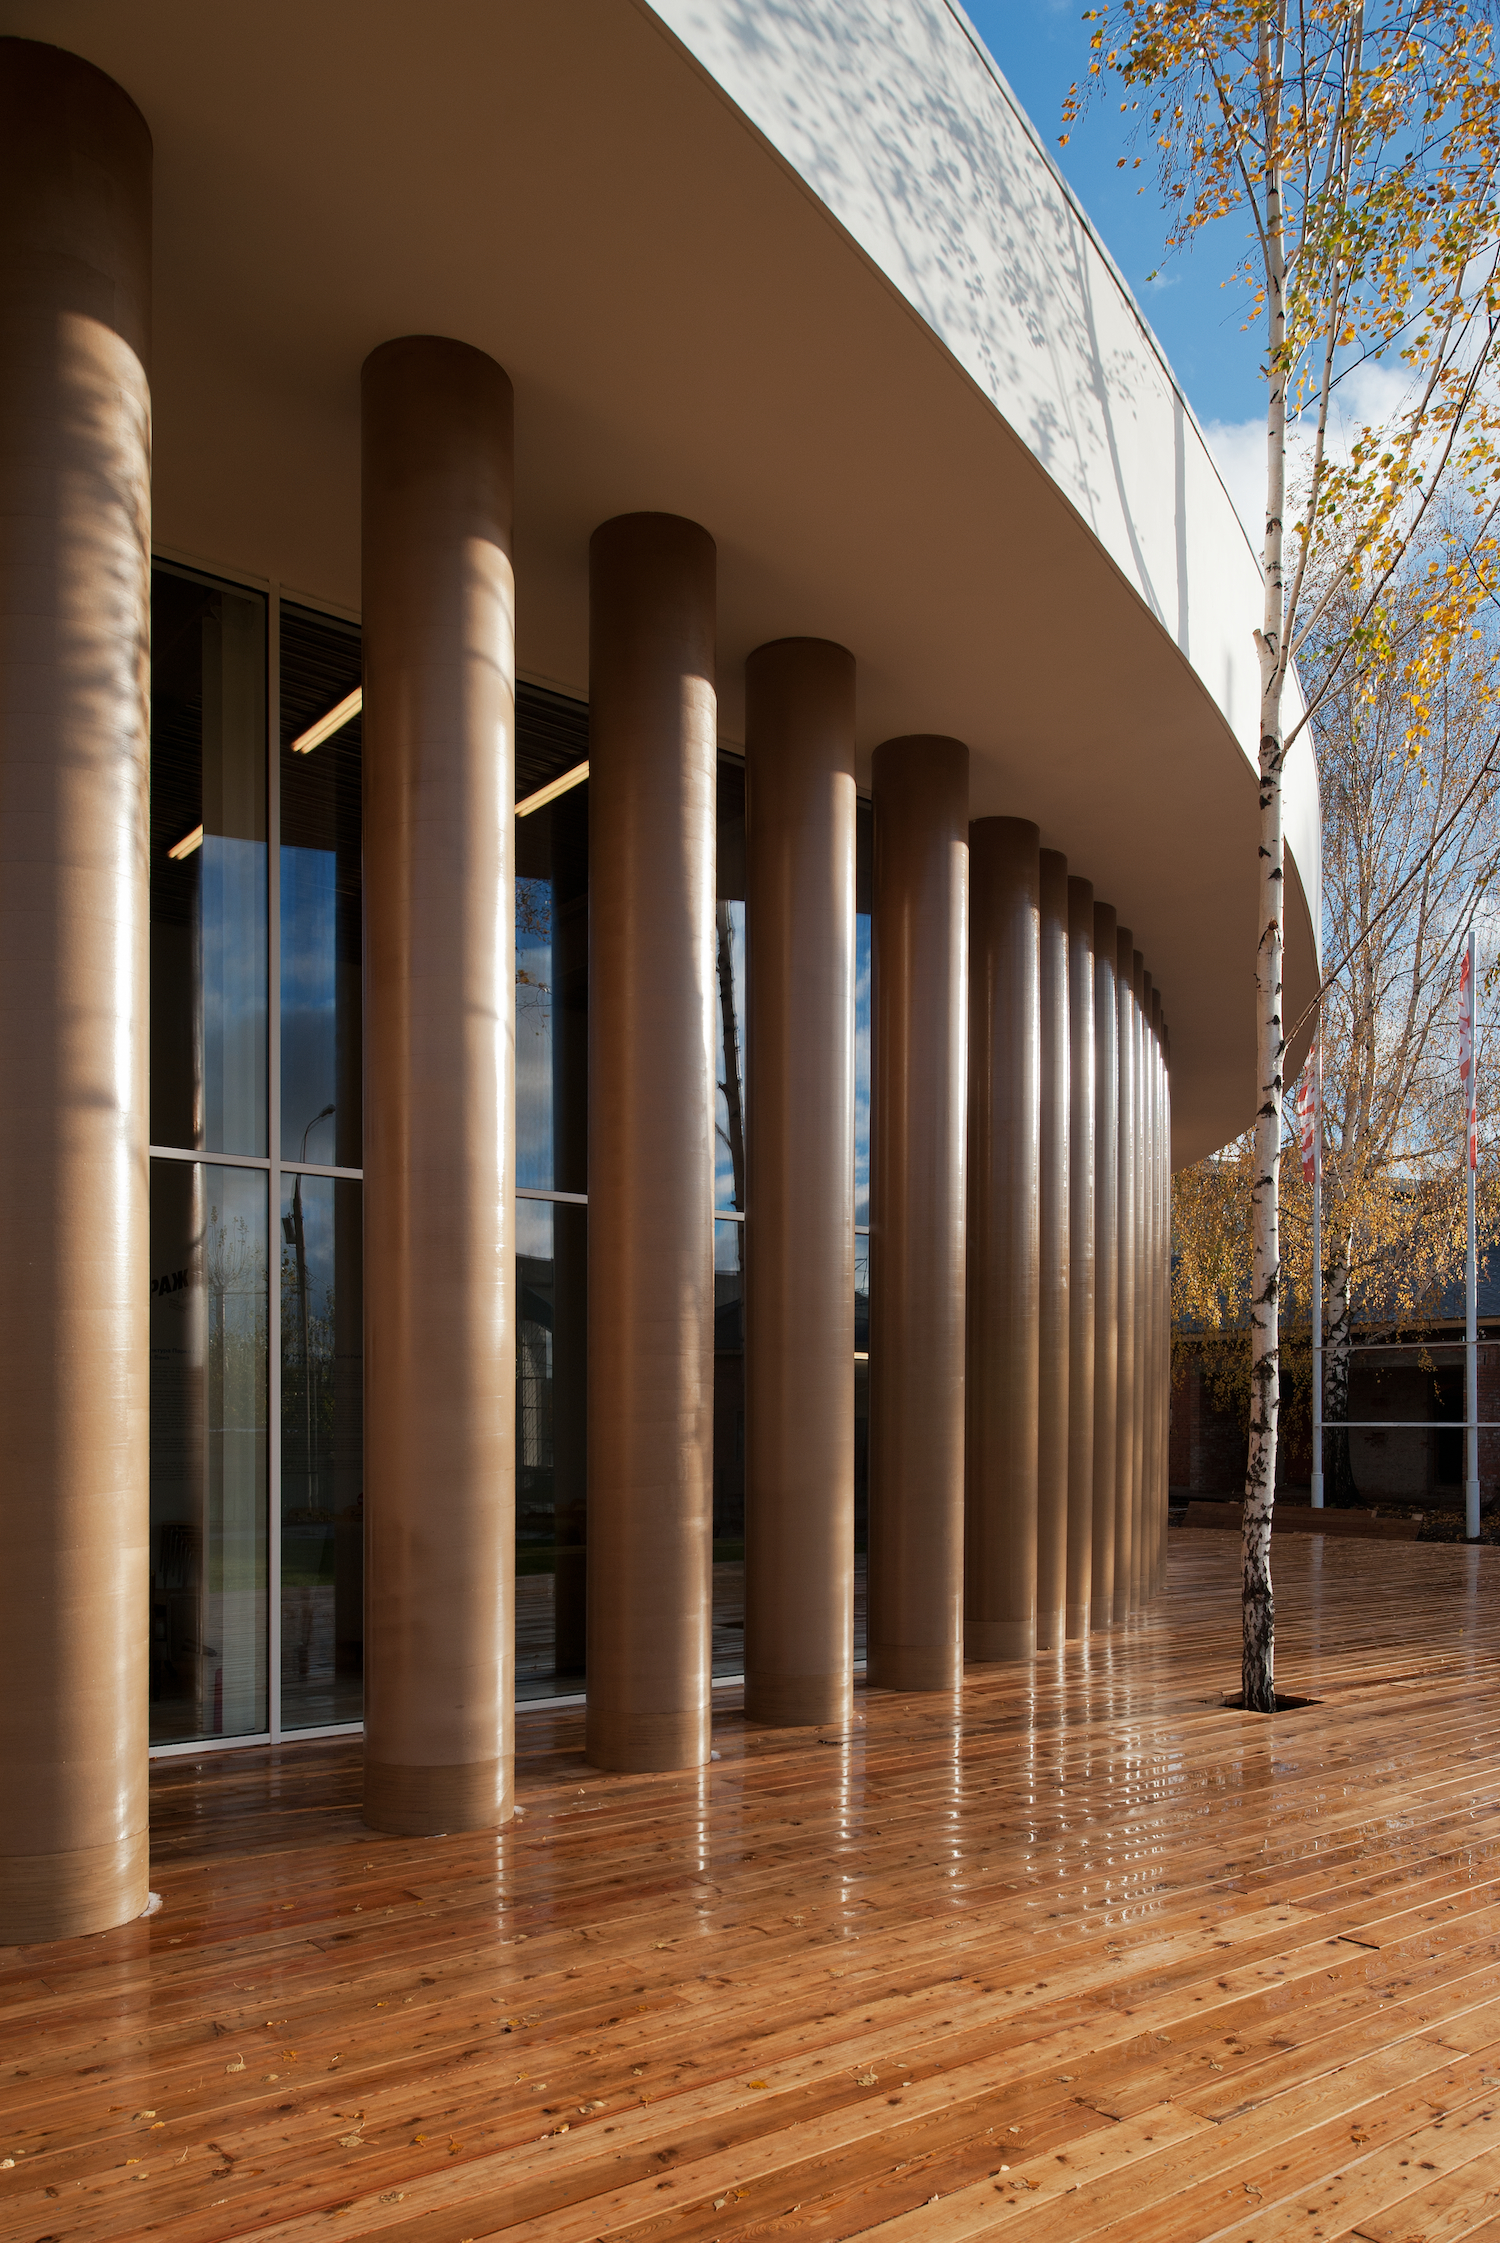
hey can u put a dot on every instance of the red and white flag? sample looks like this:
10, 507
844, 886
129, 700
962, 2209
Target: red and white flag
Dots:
1466, 1050
1307, 1115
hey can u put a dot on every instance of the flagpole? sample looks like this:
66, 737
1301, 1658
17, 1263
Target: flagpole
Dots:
1471, 1286
1317, 1286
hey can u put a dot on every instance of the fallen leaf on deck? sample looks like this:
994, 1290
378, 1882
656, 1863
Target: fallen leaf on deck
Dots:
760, 2083
866, 2079
237, 2066
351, 2142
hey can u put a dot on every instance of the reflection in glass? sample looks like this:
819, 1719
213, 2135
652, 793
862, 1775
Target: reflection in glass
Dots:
729, 1452
551, 1450
208, 865
864, 845
729, 1015
322, 1477
320, 896
209, 1332
552, 933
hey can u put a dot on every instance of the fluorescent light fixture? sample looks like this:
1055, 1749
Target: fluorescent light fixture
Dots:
188, 843
552, 790
342, 713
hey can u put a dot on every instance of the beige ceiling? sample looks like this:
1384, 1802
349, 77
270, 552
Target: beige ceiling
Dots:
687, 328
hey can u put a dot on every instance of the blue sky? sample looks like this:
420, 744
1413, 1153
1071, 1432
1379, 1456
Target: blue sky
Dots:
1041, 48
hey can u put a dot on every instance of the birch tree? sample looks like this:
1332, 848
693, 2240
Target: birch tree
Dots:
1409, 845
1410, 848
1352, 145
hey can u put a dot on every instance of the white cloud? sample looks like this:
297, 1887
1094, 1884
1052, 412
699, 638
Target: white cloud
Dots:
1366, 397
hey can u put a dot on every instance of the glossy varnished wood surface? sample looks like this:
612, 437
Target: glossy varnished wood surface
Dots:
1087, 1955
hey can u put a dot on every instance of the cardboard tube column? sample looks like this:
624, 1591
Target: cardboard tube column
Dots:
1167, 1293
652, 799
440, 1336
1161, 1264
1140, 983
1106, 1259
1126, 1318
1151, 1303
75, 547
1053, 1261
1081, 1096
1000, 1500
799, 1226
919, 1017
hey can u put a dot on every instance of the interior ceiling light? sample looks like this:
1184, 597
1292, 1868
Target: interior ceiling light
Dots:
342, 713
188, 843
552, 790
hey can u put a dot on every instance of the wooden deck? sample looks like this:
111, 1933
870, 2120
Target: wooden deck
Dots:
1091, 1956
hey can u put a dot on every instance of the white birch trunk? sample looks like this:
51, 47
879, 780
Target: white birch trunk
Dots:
1259, 1605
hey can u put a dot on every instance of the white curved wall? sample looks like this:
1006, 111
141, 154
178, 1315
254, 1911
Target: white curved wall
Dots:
898, 120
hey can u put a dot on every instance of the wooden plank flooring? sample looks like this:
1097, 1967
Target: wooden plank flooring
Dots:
1088, 1956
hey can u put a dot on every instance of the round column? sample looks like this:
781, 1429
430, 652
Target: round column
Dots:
1000, 1502
799, 1223
919, 1039
653, 716
1126, 1318
1082, 1092
1167, 1293
1160, 1278
1053, 1262
440, 1339
1106, 1260
1140, 1406
75, 633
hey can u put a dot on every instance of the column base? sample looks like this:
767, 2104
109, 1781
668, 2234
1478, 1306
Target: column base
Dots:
1050, 1631
645, 1744
1076, 1622
417, 1802
914, 1667
799, 1701
66, 1896
987, 1641
1122, 1612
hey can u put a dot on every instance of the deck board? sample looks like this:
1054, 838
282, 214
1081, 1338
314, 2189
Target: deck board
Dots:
1084, 1954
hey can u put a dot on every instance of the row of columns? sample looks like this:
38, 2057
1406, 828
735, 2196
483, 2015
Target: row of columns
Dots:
1017, 1419
1019, 1126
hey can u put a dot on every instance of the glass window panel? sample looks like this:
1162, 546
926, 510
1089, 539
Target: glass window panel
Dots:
729, 1452
321, 896
551, 1446
552, 935
209, 1332
729, 1013
552, 859
322, 1470
208, 865
864, 833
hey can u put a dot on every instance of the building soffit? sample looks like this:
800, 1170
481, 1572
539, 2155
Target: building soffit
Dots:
700, 313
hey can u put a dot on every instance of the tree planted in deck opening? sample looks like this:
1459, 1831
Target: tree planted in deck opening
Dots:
1357, 142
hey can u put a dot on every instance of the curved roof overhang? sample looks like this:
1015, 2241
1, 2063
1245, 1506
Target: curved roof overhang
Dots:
804, 275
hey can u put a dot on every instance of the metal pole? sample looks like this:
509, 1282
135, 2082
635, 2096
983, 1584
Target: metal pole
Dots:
1471, 1304
1317, 1257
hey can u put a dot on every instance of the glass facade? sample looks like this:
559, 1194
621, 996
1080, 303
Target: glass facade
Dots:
257, 1591
210, 1429
257, 1575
